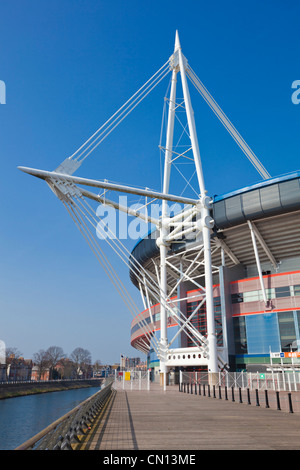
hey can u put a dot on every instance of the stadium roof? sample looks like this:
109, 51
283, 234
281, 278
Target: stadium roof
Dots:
272, 206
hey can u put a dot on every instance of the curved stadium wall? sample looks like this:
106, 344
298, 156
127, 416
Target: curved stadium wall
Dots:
253, 329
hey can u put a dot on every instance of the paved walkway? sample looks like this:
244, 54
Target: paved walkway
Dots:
158, 420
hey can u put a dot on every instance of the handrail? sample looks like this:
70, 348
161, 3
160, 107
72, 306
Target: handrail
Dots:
96, 401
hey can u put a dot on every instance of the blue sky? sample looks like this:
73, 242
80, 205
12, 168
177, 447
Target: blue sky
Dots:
68, 65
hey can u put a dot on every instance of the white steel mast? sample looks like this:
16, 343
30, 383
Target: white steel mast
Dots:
178, 64
194, 220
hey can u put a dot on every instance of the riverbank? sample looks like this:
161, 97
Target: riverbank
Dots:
11, 390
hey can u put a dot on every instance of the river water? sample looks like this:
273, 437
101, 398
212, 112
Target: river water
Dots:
23, 417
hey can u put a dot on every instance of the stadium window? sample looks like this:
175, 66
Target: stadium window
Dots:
252, 296
282, 291
287, 330
240, 337
237, 298
297, 289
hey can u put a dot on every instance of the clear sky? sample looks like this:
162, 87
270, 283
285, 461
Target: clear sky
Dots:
68, 65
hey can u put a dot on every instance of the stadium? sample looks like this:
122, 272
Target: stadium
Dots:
256, 286
219, 277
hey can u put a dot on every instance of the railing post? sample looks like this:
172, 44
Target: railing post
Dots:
290, 403
257, 397
278, 400
267, 399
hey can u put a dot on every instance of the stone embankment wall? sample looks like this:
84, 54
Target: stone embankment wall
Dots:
9, 390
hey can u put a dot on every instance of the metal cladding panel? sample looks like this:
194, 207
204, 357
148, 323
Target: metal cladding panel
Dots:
252, 204
290, 193
276, 198
143, 251
219, 214
233, 208
270, 199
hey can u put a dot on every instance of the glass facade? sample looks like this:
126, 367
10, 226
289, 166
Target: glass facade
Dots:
257, 330
199, 320
240, 337
287, 330
273, 293
262, 333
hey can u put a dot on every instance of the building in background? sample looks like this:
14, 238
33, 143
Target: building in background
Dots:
256, 280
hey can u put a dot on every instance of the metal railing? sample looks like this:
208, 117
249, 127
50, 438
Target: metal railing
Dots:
281, 381
65, 431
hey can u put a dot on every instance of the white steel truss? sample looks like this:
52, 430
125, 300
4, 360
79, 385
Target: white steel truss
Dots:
193, 261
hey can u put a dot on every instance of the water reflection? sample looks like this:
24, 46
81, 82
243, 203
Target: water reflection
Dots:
23, 417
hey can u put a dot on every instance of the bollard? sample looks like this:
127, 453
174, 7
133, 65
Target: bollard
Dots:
278, 401
248, 396
214, 391
191, 389
232, 394
267, 399
220, 394
188, 388
195, 389
208, 390
204, 390
226, 396
199, 389
257, 398
290, 403
240, 395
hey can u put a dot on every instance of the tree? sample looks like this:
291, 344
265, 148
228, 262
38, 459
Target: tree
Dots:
82, 359
54, 354
12, 358
41, 360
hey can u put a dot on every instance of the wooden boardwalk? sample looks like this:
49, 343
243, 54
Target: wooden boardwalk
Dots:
158, 420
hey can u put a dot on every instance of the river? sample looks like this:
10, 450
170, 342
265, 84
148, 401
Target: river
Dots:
23, 417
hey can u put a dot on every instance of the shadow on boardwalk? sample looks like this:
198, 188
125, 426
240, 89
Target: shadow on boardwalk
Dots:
158, 420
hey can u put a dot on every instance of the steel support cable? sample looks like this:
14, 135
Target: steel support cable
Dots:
154, 293
120, 115
118, 111
112, 273
95, 248
142, 322
227, 124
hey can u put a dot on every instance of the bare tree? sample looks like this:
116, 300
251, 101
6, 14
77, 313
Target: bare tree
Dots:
82, 359
41, 360
55, 355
